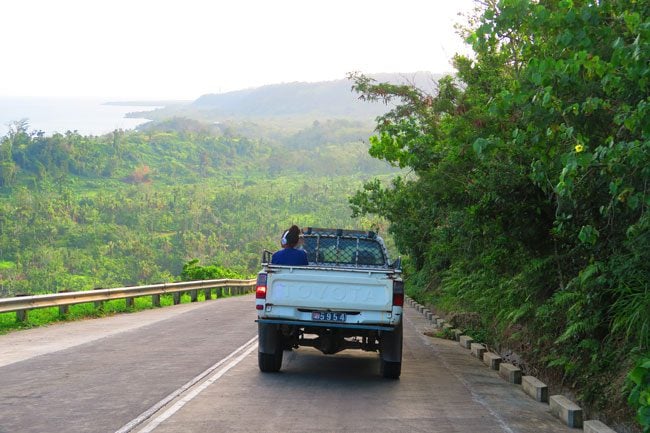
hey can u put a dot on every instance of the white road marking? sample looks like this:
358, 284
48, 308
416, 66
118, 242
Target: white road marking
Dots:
247, 348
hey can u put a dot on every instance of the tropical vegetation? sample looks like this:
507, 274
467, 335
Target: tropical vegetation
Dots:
525, 210
179, 199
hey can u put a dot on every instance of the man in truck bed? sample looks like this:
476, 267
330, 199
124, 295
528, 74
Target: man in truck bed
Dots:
289, 254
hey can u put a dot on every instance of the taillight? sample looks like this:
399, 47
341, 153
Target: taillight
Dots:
398, 293
260, 292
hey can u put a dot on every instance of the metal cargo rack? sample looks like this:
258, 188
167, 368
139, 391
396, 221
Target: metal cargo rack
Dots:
342, 248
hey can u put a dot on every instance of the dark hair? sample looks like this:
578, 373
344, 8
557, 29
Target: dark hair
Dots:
291, 237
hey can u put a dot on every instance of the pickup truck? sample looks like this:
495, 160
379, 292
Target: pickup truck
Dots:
349, 296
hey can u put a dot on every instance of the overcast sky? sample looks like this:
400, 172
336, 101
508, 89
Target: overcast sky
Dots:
155, 49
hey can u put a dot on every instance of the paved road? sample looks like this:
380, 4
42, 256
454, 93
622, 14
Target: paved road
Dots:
105, 373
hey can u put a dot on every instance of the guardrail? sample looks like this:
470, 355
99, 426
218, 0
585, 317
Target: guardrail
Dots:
22, 304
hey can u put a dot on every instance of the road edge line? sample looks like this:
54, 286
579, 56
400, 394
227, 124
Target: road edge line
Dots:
195, 392
162, 403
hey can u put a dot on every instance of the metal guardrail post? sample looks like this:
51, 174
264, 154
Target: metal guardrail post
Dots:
129, 303
22, 315
99, 305
155, 300
194, 295
219, 292
176, 296
208, 294
63, 309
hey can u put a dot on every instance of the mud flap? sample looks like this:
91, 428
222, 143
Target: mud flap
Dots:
390, 345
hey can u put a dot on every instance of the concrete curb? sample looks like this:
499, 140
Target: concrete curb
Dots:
477, 350
510, 373
595, 426
426, 312
492, 360
465, 341
563, 408
566, 410
535, 388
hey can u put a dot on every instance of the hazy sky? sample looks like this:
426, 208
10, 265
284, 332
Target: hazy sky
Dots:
182, 49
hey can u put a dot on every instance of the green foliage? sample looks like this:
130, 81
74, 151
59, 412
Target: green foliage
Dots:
640, 396
132, 207
444, 333
528, 199
192, 271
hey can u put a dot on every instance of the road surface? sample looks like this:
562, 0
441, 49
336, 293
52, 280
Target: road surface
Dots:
193, 368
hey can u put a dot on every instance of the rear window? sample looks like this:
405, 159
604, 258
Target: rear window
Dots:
344, 251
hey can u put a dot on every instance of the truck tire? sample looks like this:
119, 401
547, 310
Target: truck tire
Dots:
269, 362
390, 353
391, 370
269, 348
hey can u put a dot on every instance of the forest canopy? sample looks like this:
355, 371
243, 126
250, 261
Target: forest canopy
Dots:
528, 203
134, 207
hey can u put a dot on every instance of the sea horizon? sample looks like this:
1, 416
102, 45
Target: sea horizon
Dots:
87, 116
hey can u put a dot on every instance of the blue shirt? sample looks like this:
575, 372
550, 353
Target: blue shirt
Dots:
290, 257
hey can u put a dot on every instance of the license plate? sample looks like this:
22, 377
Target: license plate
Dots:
327, 316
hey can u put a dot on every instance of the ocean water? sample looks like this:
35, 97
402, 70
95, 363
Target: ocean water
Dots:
86, 116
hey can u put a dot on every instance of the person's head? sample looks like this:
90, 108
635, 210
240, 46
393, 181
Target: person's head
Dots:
291, 237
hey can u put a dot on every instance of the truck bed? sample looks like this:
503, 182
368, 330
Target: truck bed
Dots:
296, 292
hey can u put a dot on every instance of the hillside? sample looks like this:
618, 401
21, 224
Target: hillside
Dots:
297, 100
526, 223
132, 207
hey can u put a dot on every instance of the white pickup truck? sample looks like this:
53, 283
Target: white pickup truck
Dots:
349, 297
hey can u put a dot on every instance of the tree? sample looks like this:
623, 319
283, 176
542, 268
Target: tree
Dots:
528, 199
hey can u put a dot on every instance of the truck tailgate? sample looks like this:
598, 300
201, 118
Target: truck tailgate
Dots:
332, 289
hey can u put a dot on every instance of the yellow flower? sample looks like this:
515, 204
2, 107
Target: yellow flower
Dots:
579, 148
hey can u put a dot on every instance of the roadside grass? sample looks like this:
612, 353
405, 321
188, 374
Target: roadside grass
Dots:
47, 316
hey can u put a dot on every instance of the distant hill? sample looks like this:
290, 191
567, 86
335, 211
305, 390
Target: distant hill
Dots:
317, 100
325, 98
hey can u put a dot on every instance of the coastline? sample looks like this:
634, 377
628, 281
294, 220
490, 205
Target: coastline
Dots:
59, 115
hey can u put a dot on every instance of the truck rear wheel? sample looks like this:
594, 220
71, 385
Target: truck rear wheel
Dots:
269, 362
391, 370
390, 353
269, 348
